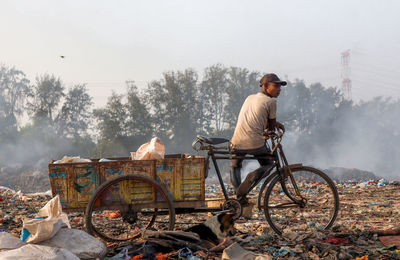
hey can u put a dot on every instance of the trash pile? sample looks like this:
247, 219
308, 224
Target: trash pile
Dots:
26, 179
341, 174
47, 235
367, 227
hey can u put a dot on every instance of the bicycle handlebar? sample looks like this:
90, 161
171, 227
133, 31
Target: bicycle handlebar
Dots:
272, 134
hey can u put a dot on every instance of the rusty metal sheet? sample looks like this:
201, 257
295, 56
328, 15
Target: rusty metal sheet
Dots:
58, 182
83, 180
166, 172
128, 191
184, 177
137, 192
192, 181
109, 170
145, 167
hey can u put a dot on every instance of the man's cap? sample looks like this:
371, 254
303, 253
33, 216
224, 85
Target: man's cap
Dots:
271, 77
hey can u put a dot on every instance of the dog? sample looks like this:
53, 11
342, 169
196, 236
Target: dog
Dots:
216, 228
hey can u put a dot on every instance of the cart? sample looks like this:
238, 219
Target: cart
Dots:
122, 197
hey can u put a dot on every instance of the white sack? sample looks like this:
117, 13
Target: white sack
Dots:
236, 252
29, 252
8, 241
78, 242
47, 223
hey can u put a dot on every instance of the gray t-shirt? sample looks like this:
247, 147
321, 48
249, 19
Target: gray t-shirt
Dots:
252, 121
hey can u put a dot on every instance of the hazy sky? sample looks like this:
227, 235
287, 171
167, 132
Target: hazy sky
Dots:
106, 43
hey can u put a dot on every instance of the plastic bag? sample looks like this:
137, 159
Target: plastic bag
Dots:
150, 150
47, 223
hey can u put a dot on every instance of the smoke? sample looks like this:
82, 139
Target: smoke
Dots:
330, 133
34, 147
33, 153
365, 137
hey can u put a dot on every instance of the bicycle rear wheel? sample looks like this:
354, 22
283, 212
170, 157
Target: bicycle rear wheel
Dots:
320, 207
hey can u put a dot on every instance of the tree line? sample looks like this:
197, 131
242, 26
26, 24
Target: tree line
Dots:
44, 119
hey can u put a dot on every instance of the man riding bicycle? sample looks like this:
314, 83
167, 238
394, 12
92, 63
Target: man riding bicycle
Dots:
258, 113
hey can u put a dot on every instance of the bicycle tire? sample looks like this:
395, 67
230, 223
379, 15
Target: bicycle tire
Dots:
103, 230
316, 187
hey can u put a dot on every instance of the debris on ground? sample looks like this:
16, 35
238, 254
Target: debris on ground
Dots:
45, 232
367, 227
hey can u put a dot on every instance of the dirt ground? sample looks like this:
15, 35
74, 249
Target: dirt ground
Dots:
364, 207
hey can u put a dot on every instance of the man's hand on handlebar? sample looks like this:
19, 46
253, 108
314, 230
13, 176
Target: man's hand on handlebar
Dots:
268, 133
280, 127
274, 134
272, 124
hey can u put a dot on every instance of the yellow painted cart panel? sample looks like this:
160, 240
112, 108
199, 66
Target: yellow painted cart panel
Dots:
83, 179
59, 183
76, 182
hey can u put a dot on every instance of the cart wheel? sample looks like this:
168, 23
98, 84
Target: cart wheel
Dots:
122, 208
233, 205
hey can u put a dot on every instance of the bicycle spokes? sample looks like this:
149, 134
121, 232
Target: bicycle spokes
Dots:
316, 210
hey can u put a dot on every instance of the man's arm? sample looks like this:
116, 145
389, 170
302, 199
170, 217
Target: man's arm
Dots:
272, 124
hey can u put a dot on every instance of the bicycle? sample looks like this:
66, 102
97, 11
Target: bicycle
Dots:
297, 197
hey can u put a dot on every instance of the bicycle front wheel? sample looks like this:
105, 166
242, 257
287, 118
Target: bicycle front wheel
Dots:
319, 196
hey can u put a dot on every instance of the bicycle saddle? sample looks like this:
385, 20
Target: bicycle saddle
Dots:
212, 140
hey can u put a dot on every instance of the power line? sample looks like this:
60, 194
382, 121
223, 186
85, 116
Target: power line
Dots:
375, 69
381, 84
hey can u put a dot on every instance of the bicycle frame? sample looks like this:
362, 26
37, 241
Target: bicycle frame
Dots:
277, 156
215, 154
